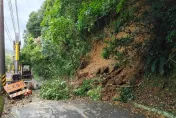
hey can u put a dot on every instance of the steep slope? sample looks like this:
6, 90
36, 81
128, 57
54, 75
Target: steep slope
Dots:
96, 61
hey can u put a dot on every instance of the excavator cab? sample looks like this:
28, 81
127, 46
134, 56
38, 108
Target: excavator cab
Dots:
26, 73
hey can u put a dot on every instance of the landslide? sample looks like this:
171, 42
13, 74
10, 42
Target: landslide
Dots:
111, 71
130, 74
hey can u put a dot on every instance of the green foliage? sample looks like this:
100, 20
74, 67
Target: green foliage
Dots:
8, 61
1, 105
61, 45
62, 25
126, 14
91, 11
58, 90
35, 19
55, 90
113, 49
84, 88
95, 93
120, 5
88, 88
125, 95
157, 64
161, 47
33, 25
106, 53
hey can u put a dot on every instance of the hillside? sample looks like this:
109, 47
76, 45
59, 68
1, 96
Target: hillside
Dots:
9, 52
119, 51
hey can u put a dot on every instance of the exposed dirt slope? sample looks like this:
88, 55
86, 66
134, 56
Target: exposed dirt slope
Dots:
96, 61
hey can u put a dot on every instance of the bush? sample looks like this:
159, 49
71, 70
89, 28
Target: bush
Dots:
88, 88
55, 90
95, 93
106, 53
1, 104
125, 95
161, 49
92, 11
84, 88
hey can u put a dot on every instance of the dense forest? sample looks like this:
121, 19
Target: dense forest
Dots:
59, 37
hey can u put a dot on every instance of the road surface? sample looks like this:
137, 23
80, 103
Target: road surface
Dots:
70, 109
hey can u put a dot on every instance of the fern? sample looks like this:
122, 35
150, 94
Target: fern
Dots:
161, 65
160, 48
154, 65
157, 64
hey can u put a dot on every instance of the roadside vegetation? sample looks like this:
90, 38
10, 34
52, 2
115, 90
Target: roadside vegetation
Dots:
1, 104
60, 89
8, 61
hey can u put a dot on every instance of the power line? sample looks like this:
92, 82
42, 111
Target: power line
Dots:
17, 16
7, 31
11, 13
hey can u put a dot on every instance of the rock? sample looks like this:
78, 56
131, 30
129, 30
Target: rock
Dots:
119, 71
106, 80
37, 86
12, 102
82, 75
120, 82
30, 86
111, 68
105, 70
103, 90
83, 64
30, 100
98, 71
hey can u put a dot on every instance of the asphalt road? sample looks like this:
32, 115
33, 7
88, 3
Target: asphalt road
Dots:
70, 109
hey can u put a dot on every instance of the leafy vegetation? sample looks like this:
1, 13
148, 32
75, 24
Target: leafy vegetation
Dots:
159, 49
95, 93
84, 88
92, 12
8, 61
113, 49
126, 16
161, 46
126, 94
58, 37
88, 88
55, 90
35, 19
59, 89
1, 104
62, 27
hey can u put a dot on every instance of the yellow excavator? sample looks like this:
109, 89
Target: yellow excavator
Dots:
19, 76
18, 71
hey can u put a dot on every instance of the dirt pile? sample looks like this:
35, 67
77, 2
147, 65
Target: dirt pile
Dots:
96, 61
111, 76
